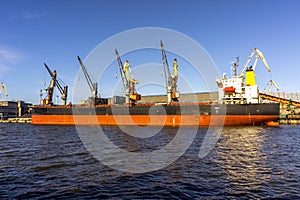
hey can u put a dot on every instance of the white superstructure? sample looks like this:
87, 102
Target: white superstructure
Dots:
242, 88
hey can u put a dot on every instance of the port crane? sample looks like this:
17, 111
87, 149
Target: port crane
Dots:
54, 82
92, 84
131, 96
171, 80
259, 55
4, 89
269, 87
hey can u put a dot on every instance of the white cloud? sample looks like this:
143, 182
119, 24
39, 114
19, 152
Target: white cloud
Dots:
3, 69
8, 56
26, 15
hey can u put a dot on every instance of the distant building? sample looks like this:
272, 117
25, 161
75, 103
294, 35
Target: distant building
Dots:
12, 109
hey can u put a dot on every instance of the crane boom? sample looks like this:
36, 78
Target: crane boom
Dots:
54, 82
122, 72
269, 87
171, 80
131, 96
50, 89
259, 55
93, 85
273, 84
48, 69
4, 88
167, 73
63, 91
247, 63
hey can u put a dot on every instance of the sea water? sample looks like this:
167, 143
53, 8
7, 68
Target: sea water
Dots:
246, 162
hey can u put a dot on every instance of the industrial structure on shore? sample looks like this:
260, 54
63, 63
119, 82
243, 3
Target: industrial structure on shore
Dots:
289, 106
14, 109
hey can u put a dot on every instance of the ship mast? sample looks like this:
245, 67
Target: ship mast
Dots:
235, 65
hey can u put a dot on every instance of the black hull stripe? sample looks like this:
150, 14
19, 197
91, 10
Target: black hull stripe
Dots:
231, 109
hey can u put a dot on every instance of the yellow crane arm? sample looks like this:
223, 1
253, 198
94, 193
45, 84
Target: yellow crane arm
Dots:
4, 88
175, 68
128, 73
269, 87
247, 63
273, 84
126, 70
259, 53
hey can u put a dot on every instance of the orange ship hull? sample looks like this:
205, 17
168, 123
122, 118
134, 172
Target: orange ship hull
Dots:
194, 114
145, 120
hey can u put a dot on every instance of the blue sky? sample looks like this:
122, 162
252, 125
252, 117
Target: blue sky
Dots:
55, 32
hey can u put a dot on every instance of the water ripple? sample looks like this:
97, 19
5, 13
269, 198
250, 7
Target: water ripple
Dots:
38, 162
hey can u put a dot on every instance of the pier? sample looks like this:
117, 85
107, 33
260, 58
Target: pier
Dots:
289, 106
14, 112
16, 120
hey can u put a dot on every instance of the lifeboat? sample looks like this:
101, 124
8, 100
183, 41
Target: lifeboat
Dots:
229, 89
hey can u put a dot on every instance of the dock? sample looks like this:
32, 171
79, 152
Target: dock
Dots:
290, 119
16, 120
289, 107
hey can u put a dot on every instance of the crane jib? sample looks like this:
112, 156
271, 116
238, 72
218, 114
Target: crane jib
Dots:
93, 86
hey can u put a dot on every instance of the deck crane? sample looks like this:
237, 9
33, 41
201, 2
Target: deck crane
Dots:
4, 88
171, 80
269, 87
54, 82
131, 96
251, 88
93, 85
259, 55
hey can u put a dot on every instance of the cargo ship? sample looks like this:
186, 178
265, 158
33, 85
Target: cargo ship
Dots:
157, 115
238, 103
